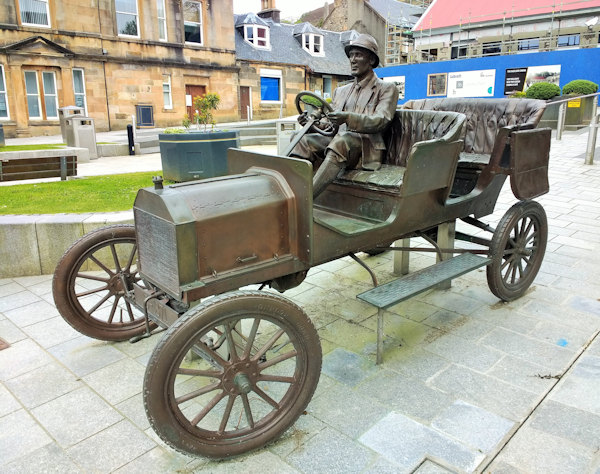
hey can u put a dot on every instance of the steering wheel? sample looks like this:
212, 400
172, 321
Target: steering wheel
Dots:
316, 108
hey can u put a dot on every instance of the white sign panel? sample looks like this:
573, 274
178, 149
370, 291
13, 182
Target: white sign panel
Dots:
471, 83
400, 82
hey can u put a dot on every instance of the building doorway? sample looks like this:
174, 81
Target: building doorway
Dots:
192, 91
245, 107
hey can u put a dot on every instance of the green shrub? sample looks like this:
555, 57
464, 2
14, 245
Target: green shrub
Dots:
519, 95
174, 130
580, 87
542, 90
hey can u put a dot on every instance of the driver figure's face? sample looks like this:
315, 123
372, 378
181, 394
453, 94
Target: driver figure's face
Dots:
360, 62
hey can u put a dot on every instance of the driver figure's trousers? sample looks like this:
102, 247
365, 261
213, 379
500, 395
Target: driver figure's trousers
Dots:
346, 148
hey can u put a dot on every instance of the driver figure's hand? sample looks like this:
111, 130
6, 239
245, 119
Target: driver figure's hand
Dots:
302, 119
337, 118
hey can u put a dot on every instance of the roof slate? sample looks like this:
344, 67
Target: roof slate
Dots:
287, 49
397, 13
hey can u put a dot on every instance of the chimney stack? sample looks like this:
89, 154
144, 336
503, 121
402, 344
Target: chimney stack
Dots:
269, 10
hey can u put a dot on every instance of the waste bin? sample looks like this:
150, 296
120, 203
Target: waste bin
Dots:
195, 155
80, 132
285, 130
63, 114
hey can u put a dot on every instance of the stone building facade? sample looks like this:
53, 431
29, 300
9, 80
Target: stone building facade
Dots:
113, 58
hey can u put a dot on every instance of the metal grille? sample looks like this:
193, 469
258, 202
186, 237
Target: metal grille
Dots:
158, 251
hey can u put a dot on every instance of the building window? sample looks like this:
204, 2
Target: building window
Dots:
327, 92
528, 44
3, 99
127, 17
34, 12
79, 89
162, 20
568, 41
492, 49
313, 43
48, 95
167, 98
192, 22
270, 85
458, 52
257, 36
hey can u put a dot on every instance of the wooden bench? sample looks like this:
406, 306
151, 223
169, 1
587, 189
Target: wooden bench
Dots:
394, 292
23, 165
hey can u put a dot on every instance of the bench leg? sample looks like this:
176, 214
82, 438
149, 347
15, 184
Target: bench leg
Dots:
379, 359
445, 239
63, 168
401, 258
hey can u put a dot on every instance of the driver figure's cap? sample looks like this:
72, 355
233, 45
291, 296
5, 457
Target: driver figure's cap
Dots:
364, 41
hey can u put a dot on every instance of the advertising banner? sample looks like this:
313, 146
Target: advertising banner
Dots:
520, 79
471, 83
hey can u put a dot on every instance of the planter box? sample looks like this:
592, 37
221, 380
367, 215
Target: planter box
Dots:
576, 117
195, 155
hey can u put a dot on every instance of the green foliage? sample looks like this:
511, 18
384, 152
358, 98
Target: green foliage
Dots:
87, 194
543, 91
519, 95
204, 106
172, 130
307, 99
580, 87
186, 122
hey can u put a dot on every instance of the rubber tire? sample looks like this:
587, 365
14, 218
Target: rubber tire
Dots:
172, 348
63, 283
524, 211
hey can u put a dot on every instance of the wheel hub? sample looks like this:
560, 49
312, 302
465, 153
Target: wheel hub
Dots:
240, 377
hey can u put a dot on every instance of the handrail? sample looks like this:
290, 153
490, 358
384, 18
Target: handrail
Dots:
571, 98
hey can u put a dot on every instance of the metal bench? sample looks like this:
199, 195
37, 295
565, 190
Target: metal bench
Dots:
23, 167
410, 285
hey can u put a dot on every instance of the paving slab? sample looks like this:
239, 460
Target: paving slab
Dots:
468, 383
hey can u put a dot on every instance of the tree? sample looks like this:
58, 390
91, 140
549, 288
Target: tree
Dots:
204, 106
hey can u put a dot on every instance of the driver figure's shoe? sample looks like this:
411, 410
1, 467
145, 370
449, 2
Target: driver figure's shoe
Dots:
327, 172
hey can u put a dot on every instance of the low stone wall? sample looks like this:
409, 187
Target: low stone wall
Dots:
33, 244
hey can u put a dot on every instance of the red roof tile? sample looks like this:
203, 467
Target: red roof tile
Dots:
444, 13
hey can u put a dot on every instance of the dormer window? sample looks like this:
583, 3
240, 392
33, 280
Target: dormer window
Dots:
257, 36
313, 44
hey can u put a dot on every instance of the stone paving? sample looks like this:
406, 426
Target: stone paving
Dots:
468, 384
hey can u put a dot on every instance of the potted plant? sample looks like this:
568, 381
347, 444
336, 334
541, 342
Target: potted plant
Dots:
579, 111
194, 153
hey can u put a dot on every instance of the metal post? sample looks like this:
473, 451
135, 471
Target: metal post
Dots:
248, 114
445, 239
401, 257
130, 139
560, 124
591, 144
63, 168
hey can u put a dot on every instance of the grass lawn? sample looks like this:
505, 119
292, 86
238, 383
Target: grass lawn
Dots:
87, 194
45, 146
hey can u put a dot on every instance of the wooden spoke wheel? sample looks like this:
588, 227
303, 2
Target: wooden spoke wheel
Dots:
517, 250
91, 282
232, 374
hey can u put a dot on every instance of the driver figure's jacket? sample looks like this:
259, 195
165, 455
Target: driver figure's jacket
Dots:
371, 103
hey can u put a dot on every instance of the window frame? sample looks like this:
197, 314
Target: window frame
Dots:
568, 45
39, 25
170, 92
272, 74
162, 20
494, 48
37, 94
5, 93
84, 94
253, 40
137, 20
311, 44
200, 24
524, 45
48, 94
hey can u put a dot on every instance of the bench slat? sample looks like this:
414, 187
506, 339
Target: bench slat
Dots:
410, 285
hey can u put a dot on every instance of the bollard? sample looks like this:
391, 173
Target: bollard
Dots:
130, 139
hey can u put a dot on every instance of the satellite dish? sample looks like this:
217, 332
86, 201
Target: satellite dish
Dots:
592, 22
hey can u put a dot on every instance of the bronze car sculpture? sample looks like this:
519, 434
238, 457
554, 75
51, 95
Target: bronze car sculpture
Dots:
235, 368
